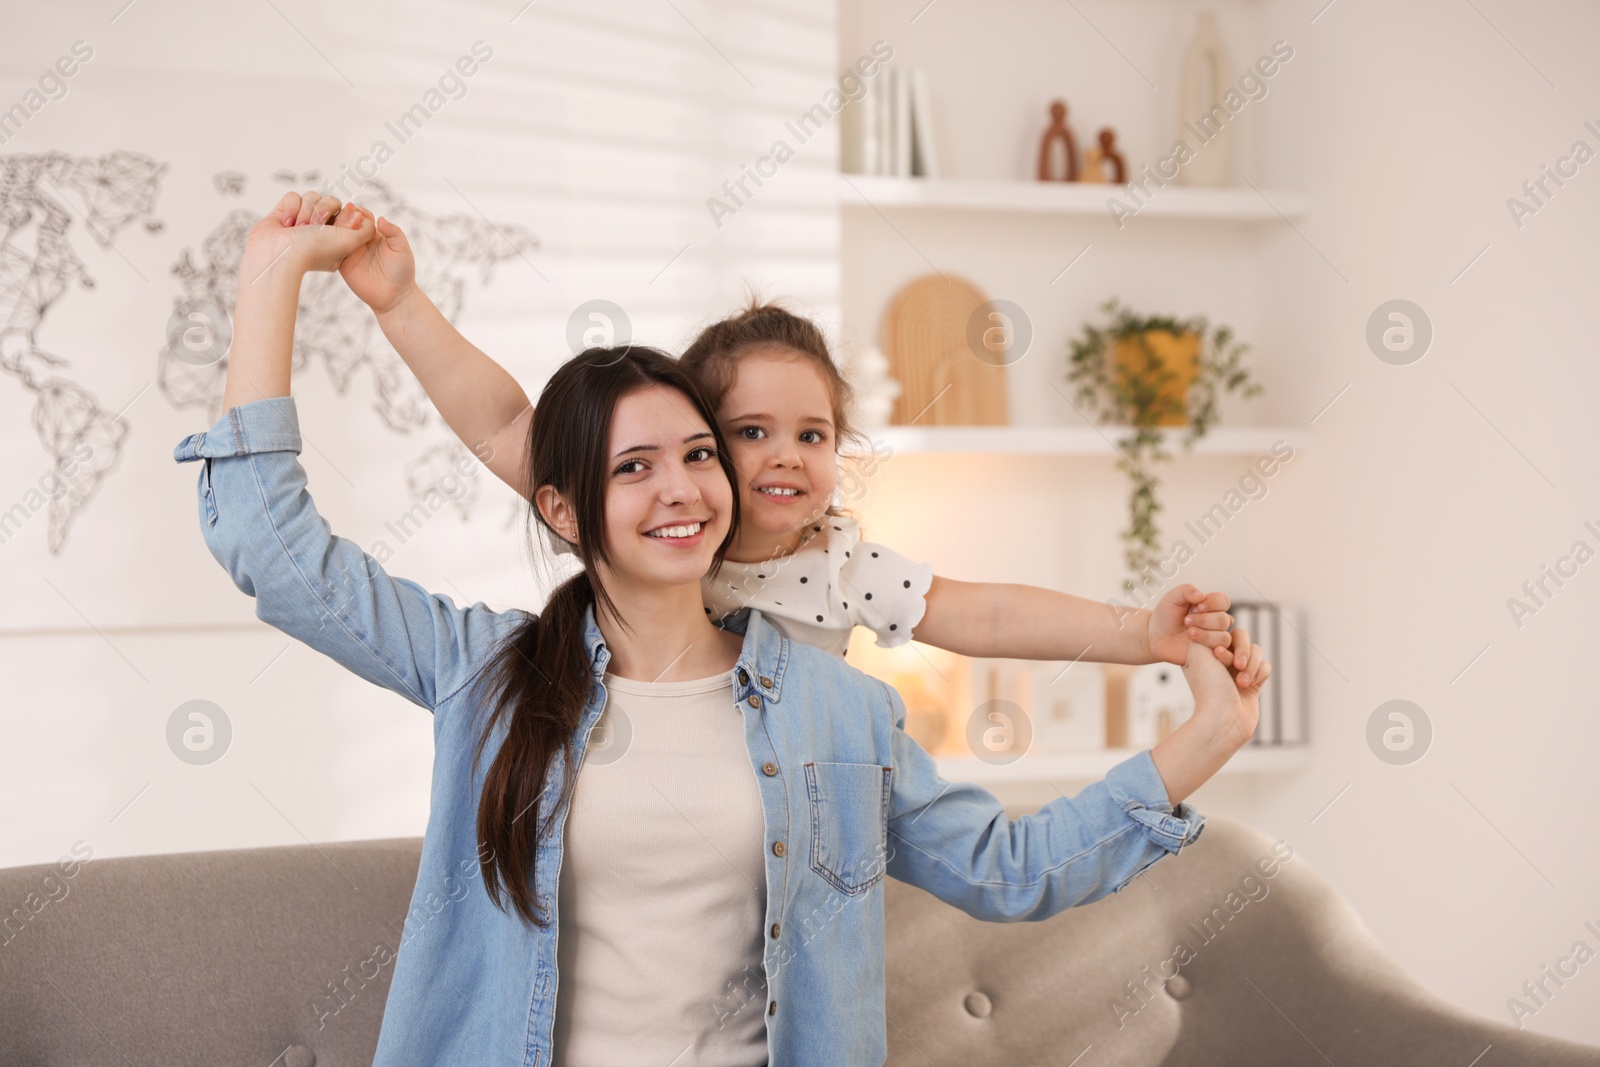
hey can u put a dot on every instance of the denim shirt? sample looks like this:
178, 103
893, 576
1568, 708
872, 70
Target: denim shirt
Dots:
847, 796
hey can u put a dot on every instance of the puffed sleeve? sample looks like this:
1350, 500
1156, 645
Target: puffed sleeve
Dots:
259, 522
884, 591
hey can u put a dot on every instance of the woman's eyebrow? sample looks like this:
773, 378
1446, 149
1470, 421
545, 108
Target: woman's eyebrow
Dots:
656, 448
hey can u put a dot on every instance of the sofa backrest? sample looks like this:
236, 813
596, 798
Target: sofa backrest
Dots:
283, 956
253, 956
1233, 951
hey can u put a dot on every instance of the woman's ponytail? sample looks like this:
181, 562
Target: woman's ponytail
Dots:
539, 680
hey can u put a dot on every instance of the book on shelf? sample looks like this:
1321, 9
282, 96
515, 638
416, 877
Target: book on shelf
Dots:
924, 156
901, 123
1244, 618
1294, 689
1280, 631
889, 131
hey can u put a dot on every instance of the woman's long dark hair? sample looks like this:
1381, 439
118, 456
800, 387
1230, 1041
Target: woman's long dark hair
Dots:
539, 679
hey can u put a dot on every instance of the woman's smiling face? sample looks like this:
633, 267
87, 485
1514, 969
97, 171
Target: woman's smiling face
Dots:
668, 502
777, 419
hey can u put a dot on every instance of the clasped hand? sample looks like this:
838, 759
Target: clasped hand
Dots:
304, 233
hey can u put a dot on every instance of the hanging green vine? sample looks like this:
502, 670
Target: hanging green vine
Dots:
1138, 395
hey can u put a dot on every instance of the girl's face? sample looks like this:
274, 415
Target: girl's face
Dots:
668, 502
777, 420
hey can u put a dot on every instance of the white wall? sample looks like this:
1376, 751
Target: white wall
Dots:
1412, 517
601, 129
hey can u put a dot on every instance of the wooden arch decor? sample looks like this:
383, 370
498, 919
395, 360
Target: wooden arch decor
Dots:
925, 333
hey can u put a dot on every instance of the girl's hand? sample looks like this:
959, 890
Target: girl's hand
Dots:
303, 233
1183, 615
381, 272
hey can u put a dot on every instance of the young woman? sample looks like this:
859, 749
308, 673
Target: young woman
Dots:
710, 891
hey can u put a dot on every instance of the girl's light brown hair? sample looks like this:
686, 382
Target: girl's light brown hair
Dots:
712, 358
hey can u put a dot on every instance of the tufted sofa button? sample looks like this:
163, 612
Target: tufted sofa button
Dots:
978, 1005
1178, 987
299, 1056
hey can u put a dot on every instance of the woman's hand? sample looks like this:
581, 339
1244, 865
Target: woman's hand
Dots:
1227, 686
1226, 683
303, 233
1183, 615
381, 272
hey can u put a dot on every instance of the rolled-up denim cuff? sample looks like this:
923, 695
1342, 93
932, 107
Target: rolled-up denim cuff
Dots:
1136, 786
271, 424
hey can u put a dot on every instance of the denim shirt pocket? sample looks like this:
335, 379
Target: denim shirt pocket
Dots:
849, 823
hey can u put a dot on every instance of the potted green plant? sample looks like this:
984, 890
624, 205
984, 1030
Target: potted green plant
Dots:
1149, 372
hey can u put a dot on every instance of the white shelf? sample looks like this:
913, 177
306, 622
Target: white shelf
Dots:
1241, 204
1076, 440
1080, 766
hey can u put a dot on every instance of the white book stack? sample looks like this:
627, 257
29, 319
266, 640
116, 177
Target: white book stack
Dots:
1280, 631
892, 131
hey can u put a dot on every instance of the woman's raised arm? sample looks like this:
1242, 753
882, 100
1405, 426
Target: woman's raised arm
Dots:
259, 522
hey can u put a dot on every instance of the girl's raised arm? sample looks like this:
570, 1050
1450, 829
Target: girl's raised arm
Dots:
294, 237
476, 397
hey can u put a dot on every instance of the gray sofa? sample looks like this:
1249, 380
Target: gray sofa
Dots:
282, 956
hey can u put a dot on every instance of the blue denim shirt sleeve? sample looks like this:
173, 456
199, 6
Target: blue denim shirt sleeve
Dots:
259, 522
955, 840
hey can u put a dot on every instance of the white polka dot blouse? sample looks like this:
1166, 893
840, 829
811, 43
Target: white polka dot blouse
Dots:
834, 583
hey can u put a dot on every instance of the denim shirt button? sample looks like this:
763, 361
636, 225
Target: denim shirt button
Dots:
777, 848
769, 768
744, 676
766, 682
772, 1009
775, 931
754, 701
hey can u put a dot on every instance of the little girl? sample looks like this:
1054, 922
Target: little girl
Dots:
782, 406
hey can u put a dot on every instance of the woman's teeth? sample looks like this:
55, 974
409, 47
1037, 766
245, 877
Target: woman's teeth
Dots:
781, 492
675, 531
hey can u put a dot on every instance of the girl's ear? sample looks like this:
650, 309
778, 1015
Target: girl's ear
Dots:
556, 512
